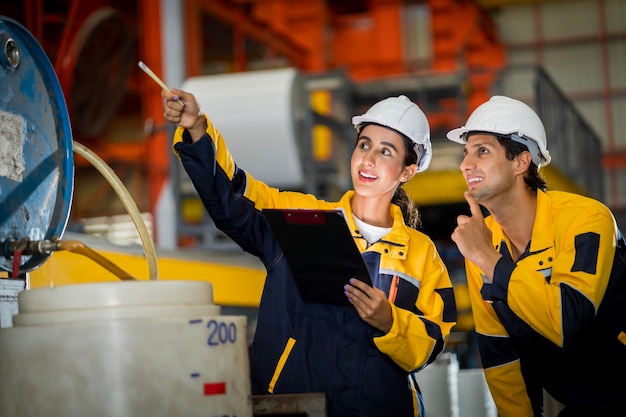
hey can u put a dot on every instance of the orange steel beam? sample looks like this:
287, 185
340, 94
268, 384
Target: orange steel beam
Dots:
465, 38
299, 22
294, 50
193, 38
369, 44
614, 160
387, 43
157, 160
128, 152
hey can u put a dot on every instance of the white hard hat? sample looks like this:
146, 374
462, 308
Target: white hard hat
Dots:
505, 116
404, 116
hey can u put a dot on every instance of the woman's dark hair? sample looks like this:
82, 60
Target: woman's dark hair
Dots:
410, 213
533, 178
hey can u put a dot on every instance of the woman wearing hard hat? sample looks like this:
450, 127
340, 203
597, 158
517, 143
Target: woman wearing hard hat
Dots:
546, 277
362, 355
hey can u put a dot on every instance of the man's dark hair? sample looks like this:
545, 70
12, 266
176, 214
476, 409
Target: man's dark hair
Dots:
533, 178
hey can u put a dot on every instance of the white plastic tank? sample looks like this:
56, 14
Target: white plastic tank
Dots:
128, 348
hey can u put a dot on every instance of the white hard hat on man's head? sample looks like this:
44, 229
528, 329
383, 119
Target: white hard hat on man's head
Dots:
404, 116
505, 116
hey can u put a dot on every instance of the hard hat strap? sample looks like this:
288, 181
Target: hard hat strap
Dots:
532, 146
420, 151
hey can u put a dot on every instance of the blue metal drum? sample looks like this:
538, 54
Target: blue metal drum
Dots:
36, 157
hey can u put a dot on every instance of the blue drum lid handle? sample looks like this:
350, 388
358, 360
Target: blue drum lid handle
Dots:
10, 56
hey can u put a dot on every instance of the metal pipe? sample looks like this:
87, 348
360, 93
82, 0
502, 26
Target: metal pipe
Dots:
28, 247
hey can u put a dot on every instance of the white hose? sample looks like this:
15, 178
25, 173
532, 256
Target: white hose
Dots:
129, 203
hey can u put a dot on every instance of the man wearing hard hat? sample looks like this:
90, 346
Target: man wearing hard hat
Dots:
545, 273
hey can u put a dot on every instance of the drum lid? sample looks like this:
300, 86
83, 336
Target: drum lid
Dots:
36, 157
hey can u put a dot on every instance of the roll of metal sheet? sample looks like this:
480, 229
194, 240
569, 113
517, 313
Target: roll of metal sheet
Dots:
260, 114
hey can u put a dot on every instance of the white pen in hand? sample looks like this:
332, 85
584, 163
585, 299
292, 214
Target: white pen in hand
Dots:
152, 75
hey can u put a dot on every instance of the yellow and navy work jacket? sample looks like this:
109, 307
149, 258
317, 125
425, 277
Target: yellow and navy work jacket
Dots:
555, 319
307, 347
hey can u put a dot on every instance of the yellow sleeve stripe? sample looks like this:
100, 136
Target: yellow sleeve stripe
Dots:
222, 155
281, 363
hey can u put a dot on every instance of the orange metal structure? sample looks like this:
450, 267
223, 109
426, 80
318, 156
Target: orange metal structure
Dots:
365, 38
93, 47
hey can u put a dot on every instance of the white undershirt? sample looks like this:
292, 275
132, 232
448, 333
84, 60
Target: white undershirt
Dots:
371, 233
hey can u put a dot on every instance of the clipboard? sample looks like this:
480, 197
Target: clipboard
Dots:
320, 251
